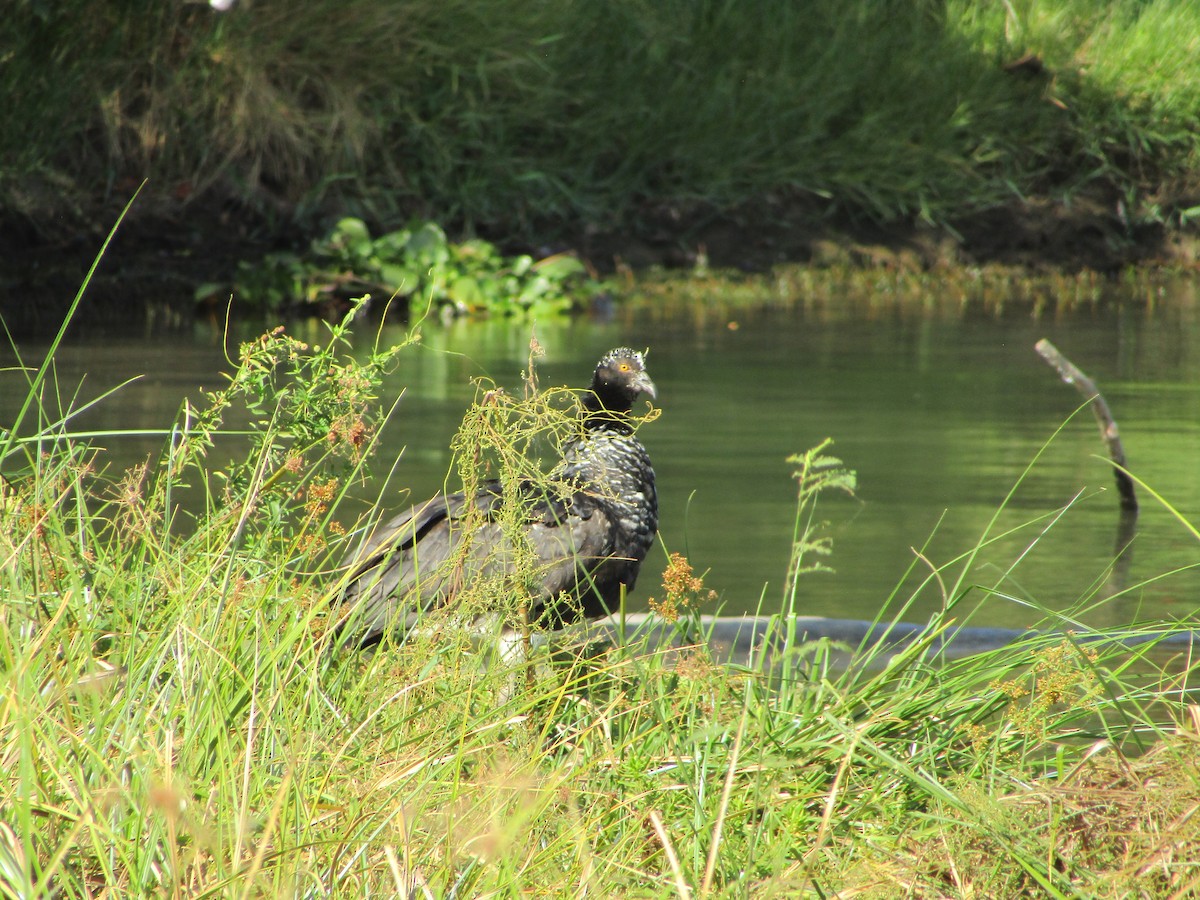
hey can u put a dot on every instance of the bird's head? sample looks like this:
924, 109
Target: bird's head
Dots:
619, 378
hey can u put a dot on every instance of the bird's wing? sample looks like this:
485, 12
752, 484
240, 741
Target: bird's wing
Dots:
411, 527
571, 552
410, 563
422, 558
588, 555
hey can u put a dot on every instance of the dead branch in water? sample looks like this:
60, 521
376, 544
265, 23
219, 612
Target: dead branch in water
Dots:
1071, 374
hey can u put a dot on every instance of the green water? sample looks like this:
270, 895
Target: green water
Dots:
939, 409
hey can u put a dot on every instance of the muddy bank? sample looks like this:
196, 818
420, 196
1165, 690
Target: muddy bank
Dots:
157, 260
1037, 234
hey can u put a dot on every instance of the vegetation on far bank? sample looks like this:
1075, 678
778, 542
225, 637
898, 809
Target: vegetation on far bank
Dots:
172, 720
569, 121
421, 271
416, 266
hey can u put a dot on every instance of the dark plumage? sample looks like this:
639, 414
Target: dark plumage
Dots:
589, 529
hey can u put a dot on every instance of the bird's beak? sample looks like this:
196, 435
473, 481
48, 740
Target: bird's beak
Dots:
645, 385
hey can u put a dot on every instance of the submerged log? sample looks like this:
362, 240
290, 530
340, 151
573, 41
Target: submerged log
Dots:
762, 643
1071, 374
757, 642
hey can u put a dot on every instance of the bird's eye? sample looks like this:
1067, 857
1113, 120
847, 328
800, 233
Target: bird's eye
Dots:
624, 367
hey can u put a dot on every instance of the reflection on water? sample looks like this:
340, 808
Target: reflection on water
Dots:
943, 409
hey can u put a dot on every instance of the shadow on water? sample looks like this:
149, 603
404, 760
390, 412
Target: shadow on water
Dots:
939, 406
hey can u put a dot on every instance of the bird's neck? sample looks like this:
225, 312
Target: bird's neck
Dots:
599, 417
611, 423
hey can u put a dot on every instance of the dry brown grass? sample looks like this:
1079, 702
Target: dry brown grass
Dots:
1113, 826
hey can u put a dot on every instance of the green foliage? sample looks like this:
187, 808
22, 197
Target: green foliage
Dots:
420, 265
1120, 76
815, 474
528, 116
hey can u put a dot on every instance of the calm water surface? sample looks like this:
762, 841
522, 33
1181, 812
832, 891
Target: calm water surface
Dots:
940, 410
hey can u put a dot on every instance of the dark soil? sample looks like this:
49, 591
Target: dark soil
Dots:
1038, 235
156, 262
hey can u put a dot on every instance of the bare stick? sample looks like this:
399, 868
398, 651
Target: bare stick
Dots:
680, 885
711, 865
1108, 426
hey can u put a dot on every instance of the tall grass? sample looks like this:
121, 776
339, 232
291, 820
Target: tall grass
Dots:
525, 116
171, 721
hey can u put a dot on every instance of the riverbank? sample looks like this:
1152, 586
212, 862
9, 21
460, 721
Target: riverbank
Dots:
155, 265
947, 133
